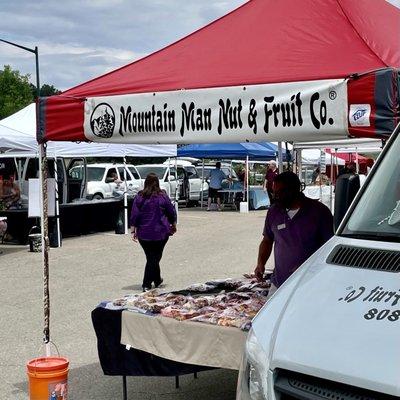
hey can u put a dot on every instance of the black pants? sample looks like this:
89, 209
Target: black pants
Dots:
271, 197
153, 250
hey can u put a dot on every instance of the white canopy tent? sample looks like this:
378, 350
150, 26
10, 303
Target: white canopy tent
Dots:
18, 139
342, 146
313, 157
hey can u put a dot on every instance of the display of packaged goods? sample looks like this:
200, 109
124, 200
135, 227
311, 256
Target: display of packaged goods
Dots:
235, 305
200, 287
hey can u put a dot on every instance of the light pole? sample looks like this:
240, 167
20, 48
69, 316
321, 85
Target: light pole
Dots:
43, 211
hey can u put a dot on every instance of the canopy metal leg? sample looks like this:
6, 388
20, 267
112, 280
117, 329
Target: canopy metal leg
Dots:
124, 389
195, 375
176, 382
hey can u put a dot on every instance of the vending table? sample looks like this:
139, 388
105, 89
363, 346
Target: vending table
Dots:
176, 333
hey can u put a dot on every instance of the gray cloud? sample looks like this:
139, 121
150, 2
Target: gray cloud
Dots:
79, 40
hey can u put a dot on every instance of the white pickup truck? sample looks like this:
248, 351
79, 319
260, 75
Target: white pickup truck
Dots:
332, 331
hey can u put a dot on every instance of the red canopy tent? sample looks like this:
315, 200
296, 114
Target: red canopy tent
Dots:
349, 157
302, 70
336, 59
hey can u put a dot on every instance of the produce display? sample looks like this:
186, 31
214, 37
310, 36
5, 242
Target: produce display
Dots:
225, 302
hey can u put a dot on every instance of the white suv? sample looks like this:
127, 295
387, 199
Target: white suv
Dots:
168, 181
105, 180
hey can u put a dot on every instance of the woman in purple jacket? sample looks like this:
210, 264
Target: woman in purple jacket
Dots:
153, 220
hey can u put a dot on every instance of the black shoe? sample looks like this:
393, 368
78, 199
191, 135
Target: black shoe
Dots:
156, 285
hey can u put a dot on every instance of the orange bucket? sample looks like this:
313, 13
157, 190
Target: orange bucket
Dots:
48, 378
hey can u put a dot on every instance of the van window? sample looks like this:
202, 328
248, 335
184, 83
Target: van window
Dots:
95, 173
377, 214
192, 172
32, 169
145, 170
76, 172
181, 173
8, 169
128, 173
134, 172
172, 172
112, 173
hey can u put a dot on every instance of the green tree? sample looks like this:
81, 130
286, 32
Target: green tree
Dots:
45, 91
15, 91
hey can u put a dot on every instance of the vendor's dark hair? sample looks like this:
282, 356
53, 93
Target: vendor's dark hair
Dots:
290, 180
151, 185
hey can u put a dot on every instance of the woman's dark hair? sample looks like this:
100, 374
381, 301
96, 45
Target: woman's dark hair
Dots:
151, 185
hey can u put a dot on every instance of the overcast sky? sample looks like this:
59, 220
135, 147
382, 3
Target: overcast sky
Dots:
79, 40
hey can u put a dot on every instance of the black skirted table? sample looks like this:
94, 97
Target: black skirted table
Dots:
75, 219
117, 360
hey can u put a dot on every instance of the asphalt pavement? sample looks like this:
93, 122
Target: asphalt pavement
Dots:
101, 266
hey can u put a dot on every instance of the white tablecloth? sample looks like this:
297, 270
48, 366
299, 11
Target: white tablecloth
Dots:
314, 192
184, 341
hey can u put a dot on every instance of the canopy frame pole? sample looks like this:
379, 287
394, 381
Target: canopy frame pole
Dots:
176, 195
19, 173
320, 175
336, 163
357, 163
57, 216
125, 200
202, 185
331, 184
45, 245
169, 176
280, 162
247, 182
298, 163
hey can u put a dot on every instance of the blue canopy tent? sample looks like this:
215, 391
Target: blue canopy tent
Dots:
264, 150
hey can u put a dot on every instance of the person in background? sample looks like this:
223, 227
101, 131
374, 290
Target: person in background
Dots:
370, 163
272, 172
9, 193
242, 176
216, 178
295, 226
315, 175
153, 220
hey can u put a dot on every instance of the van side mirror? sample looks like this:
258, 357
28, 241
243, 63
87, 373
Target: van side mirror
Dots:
347, 186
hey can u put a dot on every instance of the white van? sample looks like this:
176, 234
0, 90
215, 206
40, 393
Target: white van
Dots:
332, 331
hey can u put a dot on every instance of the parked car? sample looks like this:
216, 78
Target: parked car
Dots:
106, 180
168, 179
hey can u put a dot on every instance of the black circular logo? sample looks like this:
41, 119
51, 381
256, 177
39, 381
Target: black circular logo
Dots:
102, 121
332, 95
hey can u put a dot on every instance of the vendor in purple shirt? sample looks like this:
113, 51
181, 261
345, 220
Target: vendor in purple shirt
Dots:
153, 220
295, 225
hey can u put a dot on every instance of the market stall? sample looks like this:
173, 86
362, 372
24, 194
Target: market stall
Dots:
18, 140
336, 155
333, 76
201, 327
247, 151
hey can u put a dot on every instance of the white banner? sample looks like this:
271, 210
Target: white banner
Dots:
295, 111
34, 204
